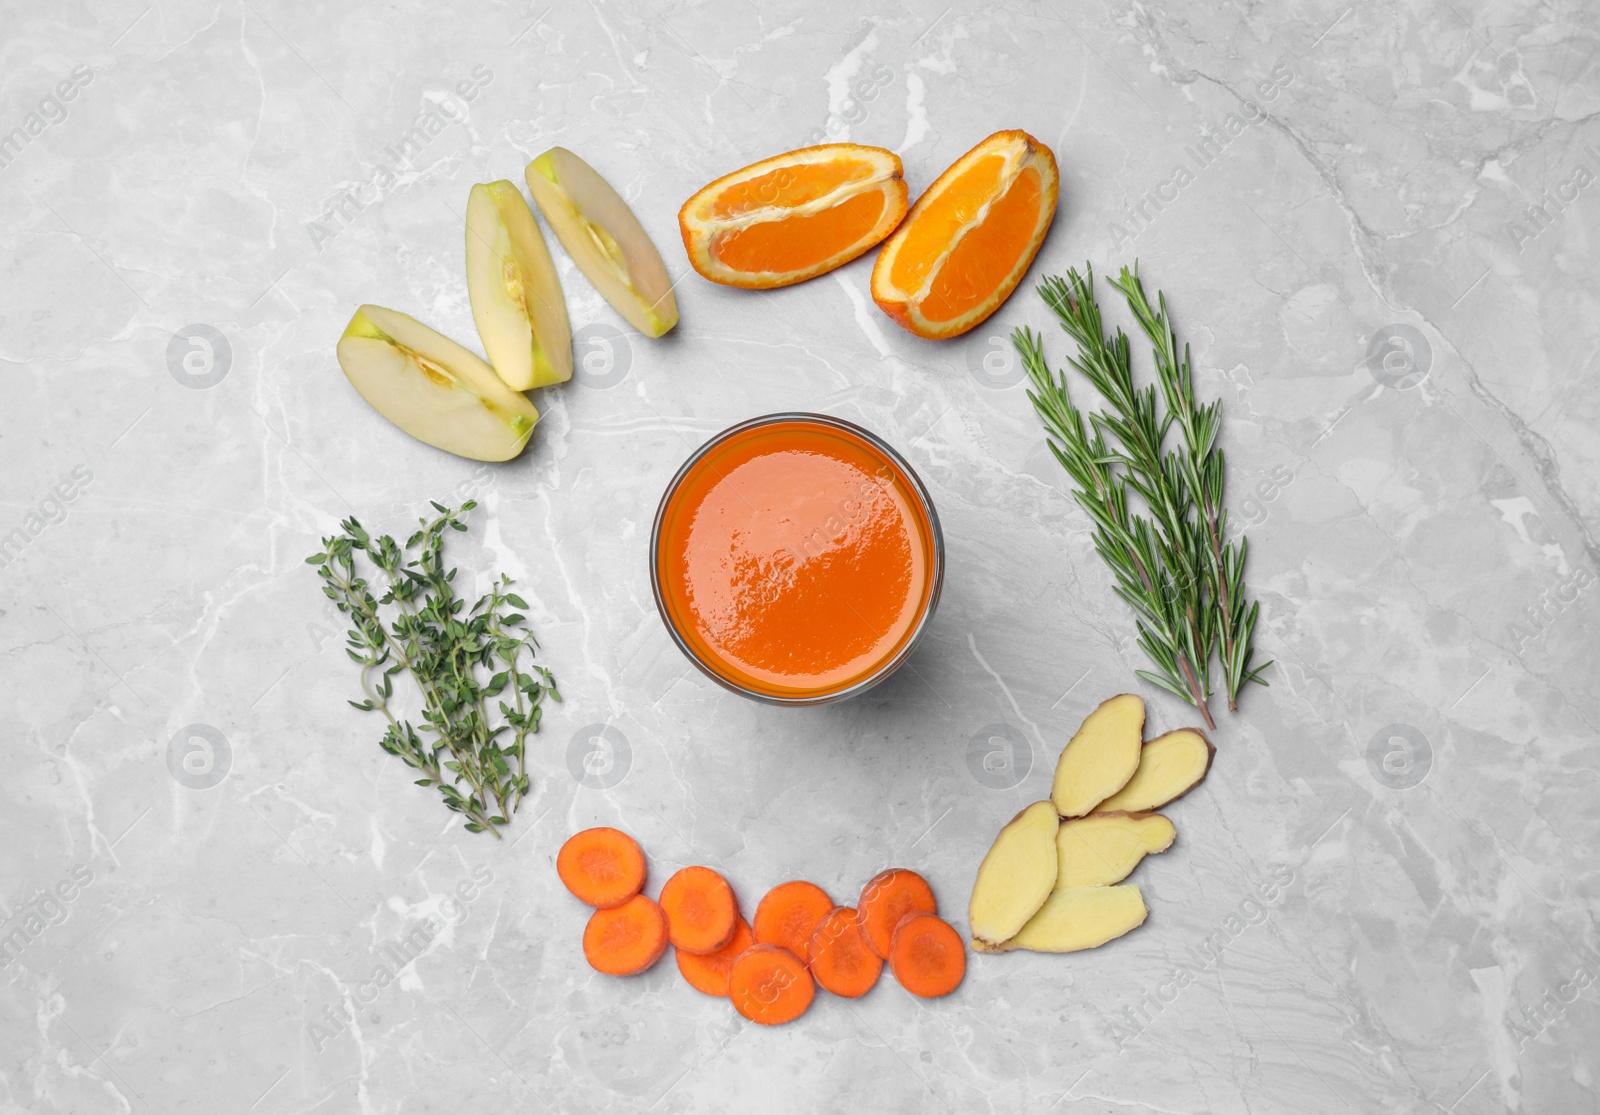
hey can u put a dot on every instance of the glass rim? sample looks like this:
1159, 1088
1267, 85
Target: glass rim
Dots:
935, 558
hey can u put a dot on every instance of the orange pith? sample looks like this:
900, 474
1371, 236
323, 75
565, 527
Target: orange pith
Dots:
793, 216
789, 185
942, 220
795, 243
970, 237
979, 263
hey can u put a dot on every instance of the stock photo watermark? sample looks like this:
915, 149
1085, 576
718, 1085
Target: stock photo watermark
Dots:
1536, 619
999, 756
341, 208
198, 756
1548, 1009
1249, 912
1208, 146
601, 356
854, 109
46, 908
1399, 356
51, 509
1399, 756
397, 955
1255, 507
598, 756
993, 362
1543, 212
199, 356
53, 110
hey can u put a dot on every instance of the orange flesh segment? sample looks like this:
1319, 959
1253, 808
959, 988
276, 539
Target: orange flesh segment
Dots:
796, 242
978, 264
942, 220
789, 186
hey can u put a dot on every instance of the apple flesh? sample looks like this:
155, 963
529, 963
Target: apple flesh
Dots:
515, 293
604, 239
432, 388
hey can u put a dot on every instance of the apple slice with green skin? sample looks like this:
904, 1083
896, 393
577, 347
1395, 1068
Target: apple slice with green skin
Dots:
432, 388
604, 239
514, 290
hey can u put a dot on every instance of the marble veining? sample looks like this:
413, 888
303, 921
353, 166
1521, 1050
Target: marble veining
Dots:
1377, 228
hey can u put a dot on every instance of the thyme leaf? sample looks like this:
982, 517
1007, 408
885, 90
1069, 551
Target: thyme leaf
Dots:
461, 659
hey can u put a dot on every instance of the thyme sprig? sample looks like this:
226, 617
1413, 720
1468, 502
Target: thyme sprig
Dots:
1166, 547
477, 761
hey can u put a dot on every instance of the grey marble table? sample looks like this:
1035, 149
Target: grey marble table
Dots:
1377, 227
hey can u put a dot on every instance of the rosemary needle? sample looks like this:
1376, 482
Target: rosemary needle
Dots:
1164, 546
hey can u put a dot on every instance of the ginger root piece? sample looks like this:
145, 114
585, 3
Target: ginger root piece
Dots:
1104, 848
1076, 918
1169, 767
1101, 757
1015, 877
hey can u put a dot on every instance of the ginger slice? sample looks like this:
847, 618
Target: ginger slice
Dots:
1015, 877
1169, 767
1076, 918
1104, 848
1101, 757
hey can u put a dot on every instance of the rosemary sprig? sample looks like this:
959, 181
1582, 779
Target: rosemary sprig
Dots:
1126, 542
1204, 473
477, 763
1184, 584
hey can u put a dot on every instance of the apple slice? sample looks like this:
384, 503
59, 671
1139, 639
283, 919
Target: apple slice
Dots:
604, 239
514, 290
432, 388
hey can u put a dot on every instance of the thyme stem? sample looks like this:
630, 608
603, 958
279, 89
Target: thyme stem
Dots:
442, 645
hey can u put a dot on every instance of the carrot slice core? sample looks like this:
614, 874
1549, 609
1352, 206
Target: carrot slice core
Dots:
886, 900
627, 939
601, 866
770, 985
708, 973
841, 957
701, 910
789, 914
928, 956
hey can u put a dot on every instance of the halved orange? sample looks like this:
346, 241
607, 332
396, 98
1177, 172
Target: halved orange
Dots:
794, 216
969, 238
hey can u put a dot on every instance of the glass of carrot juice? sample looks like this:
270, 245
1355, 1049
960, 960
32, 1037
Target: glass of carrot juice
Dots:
796, 559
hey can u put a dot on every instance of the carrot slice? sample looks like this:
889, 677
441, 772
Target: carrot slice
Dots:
701, 910
789, 914
601, 866
886, 899
841, 957
625, 940
770, 985
708, 972
928, 957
